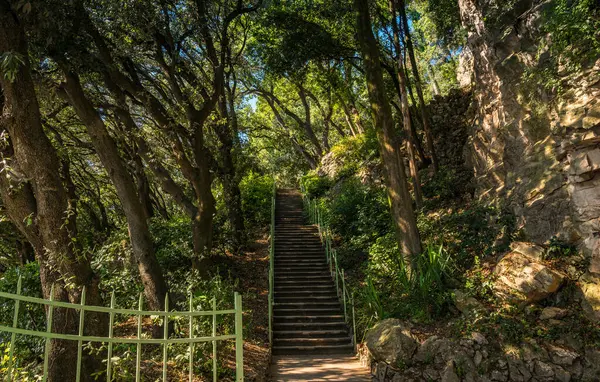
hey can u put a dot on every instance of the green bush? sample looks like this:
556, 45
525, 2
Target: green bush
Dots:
257, 191
314, 185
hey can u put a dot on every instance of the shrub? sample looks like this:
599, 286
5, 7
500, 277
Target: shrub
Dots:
314, 185
257, 191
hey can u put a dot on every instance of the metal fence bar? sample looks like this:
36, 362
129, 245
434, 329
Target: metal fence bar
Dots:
166, 337
214, 343
102, 309
49, 331
344, 295
316, 217
191, 330
13, 336
49, 336
80, 342
110, 335
239, 340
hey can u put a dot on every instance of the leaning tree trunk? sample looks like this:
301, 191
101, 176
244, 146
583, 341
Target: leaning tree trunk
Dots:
408, 129
409, 241
32, 191
155, 287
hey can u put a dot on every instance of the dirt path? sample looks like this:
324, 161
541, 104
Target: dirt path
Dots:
318, 368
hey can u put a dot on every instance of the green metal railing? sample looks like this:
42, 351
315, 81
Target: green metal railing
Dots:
347, 299
272, 263
80, 338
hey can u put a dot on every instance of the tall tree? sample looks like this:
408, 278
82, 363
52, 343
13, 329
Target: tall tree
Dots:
403, 215
406, 117
417, 81
37, 200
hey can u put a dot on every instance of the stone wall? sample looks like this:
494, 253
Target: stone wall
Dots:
396, 355
541, 156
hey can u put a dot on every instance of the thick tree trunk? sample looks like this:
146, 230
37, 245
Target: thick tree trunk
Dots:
415, 70
37, 202
155, 287
409, 241
408, 129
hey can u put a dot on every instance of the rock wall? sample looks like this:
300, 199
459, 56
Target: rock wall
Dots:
397, 356
541, 156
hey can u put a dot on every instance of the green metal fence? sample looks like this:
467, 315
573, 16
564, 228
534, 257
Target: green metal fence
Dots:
166, 315
346, 298
272, 264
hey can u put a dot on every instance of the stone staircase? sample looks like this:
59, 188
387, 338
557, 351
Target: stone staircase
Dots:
307, 315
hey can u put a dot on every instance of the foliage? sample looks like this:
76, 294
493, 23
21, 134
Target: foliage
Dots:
314, 185
31, 317
467, 232
257, 193
9, 65
448, 183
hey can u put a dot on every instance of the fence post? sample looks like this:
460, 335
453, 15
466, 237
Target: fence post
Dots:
110, 335
239, 340
337, 285
191, 330
13, 337
138, 358
353, 322
344, 295
214, 334
80, 343
48, 330
166, 337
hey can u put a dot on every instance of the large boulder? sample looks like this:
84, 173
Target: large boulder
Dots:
523, 277
392, 342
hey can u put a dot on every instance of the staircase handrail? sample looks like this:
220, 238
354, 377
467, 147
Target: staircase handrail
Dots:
315, 217
272, 263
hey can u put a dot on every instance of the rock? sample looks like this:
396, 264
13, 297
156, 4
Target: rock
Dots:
467, 305
523, 279
562, 356
498, 375
477, 358
543, 371
591, 299
531, 250
561, 374
449, 373
479, 338
591, 366
553, 312
392, 342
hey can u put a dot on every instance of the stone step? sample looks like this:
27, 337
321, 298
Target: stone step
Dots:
314, 319
302, 341
323, 349
310, 333
307, 300
329, 287
294, 273
306, 293
306, 312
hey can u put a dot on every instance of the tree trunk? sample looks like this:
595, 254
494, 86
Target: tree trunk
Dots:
37, 202
402, 212
155, 287
408, 129
231, 185
415, 70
